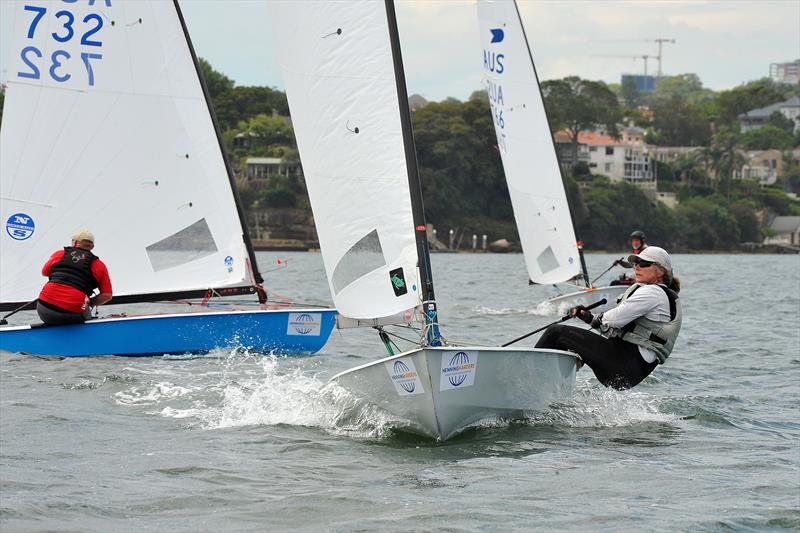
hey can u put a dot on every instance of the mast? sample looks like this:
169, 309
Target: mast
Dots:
257, 278
586, 278
414, 185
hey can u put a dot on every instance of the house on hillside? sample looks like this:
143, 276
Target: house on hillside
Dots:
625, 159
764, 165
756, 118
787, 231
258, 169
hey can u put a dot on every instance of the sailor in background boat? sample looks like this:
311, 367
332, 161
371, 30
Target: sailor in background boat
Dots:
637, 241
635, 336
74, 274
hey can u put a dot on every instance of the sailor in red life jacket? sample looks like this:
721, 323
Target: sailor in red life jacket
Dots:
74, 274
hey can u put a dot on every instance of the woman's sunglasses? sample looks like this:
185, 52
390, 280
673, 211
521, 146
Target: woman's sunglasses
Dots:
644, 264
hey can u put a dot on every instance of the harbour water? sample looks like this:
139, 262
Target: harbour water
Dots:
245, 442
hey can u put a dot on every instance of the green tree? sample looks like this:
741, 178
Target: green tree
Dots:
767, 137
242, 103
680, 123
216, 82
781, 121
707, 224
685, 88
578, 105
462, 177
753, 95
631, 96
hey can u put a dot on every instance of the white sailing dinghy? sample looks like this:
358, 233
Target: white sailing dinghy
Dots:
107, 125
344, 79
535, 184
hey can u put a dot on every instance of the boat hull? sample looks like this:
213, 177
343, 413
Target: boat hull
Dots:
561, 304
440, 391
295, 331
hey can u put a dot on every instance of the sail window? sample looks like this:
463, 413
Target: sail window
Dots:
362, 258
189, 244
547, 260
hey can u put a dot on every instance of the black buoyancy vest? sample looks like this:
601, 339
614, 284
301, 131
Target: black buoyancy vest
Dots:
75, 270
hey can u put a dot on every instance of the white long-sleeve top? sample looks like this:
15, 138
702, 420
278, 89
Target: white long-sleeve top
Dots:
649, 301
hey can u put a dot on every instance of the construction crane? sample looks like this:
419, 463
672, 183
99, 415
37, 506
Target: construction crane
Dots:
658, 40
645, 57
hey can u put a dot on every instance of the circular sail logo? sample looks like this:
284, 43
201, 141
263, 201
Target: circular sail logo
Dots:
20, 226
457, 360
304, 323
229, 263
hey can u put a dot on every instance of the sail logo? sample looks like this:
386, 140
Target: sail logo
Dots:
497, 35
458, 370
404, 376
20, 226
398, 282
308, 324
229, 263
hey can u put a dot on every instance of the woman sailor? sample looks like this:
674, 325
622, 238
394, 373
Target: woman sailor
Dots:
637, 335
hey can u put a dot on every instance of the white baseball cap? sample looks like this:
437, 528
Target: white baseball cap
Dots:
83, 235
654, 254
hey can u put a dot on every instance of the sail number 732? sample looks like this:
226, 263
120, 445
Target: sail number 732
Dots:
60, 65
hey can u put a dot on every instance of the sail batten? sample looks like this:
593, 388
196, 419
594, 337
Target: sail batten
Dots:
118, 138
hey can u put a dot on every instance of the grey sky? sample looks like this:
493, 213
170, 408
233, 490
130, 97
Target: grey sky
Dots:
725, 42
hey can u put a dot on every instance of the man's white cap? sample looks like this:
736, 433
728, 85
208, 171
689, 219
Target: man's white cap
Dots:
83, 235
654, 254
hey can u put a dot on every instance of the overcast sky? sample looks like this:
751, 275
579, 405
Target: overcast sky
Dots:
725, 42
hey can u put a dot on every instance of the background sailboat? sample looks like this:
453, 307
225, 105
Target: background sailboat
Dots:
526, 146
344, 79
107, 125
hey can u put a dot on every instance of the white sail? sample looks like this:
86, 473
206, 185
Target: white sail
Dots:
337, 67
106, 126
526, 146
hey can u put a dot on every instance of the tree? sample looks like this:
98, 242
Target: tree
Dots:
680, 123
578, 105
753, 95
766, 138
781, 121
630, 93
243, 103
707, 224
216, 82
462, 176
685, 88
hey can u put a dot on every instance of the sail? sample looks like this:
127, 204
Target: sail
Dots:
336, 61
106, 127
526, 146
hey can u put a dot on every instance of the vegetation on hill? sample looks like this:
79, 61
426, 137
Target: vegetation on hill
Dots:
462, 177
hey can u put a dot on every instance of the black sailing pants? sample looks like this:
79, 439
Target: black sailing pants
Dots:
615, 363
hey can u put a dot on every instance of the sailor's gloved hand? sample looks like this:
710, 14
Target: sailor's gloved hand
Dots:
597, 321
623, 263
580, 311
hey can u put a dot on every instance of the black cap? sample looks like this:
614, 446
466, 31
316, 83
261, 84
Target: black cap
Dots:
638, 235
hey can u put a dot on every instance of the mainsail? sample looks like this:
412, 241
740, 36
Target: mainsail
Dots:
106, 126
336, 60
526, 146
